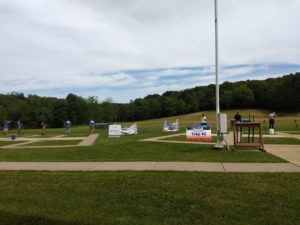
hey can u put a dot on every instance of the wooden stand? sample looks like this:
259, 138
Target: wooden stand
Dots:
250, 141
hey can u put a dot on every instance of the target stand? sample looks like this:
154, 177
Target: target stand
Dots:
251, 130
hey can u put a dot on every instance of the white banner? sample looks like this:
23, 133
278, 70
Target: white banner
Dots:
114, 130
130, 130
171, 127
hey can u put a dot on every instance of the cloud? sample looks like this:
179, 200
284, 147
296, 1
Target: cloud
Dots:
55, 46
259, 31
68, 82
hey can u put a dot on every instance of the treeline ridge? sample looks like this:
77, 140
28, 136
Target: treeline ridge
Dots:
274, 94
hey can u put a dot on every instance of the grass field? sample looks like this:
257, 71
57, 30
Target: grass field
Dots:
129, 148
167, 198
147, 198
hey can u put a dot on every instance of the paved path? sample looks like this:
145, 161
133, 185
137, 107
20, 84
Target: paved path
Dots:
288, 135
89, 140
151, 166
290, 153
162, 139
26, 141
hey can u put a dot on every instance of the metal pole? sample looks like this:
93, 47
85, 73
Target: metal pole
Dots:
218, 145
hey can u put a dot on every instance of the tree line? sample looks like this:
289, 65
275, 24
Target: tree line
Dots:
274, 94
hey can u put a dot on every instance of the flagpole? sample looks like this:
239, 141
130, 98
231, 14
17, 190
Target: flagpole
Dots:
218, 145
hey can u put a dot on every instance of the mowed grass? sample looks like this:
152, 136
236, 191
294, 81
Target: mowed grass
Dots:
148, 198
130, 148
282, 141
145, 198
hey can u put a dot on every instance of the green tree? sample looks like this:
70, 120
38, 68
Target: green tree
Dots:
242, 97
3, 114
92, 104
60, 113
77, 109
226, 99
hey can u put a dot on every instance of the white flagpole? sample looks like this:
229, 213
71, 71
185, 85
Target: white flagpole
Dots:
218, 145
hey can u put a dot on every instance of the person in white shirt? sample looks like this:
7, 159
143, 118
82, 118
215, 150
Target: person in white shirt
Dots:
272, 120
203, 119
68, 125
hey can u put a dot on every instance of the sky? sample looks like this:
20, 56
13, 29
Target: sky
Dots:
128, 49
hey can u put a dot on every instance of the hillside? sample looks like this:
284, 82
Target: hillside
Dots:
274, 94
284, 121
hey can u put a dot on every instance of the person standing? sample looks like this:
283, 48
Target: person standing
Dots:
19, 126
203, 119
237, 118
92, 125
5, 127
272, 120
44, 126
68, 125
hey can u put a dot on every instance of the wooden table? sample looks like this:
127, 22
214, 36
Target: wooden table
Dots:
250, 127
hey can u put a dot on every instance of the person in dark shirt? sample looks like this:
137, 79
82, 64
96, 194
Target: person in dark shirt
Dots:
92, 125
5, 127
237, 118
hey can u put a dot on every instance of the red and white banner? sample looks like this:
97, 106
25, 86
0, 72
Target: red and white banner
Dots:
198, 133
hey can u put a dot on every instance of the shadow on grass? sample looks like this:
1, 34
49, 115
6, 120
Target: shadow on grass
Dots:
15, 219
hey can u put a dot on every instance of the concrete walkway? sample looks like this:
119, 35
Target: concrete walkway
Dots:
89, 140
287, 135
151, 166
290, 153
26, 141
162, 139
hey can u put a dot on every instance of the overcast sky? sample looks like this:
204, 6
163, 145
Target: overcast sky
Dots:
125, 49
